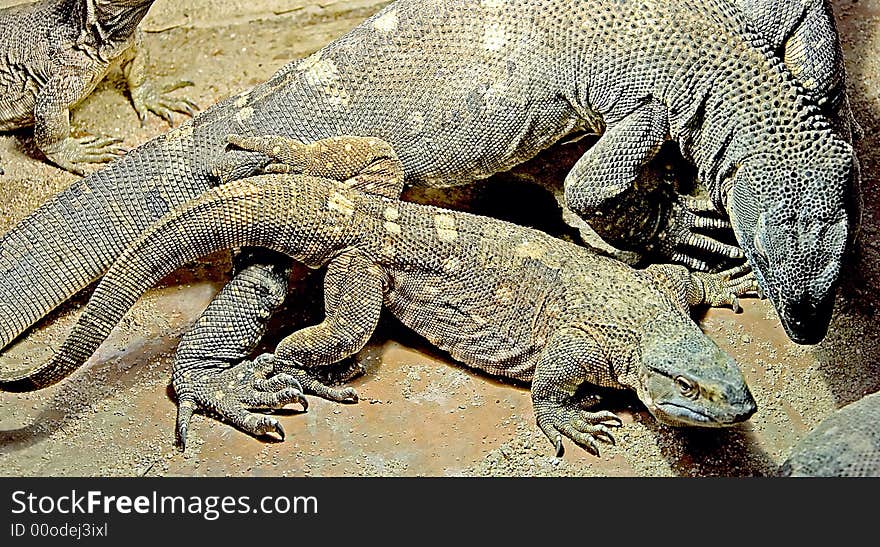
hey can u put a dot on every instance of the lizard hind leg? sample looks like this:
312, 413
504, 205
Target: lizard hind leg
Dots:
353, 296
366, 164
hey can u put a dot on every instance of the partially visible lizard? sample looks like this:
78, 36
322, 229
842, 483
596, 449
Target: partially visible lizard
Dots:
506, 299
845, 444
803, 33
52, 55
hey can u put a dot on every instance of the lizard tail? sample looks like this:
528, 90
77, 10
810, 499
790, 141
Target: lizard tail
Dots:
221, 218
70, 240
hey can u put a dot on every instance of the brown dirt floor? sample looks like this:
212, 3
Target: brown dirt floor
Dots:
420, 414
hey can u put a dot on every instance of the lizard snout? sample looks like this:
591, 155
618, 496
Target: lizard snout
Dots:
806, 321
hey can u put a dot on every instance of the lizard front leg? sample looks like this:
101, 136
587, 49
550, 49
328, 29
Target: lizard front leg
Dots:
602, 188
570, 359
145, 96
52, 125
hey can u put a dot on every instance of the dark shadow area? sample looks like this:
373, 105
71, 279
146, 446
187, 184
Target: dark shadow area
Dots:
729, 452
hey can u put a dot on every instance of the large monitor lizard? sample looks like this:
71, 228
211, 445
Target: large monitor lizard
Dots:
463, 89
506, 299
845, 444
52, 55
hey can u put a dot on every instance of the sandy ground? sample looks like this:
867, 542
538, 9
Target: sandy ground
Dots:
420, 414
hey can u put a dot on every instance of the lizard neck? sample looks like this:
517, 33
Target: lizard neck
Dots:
735, 100
764, 112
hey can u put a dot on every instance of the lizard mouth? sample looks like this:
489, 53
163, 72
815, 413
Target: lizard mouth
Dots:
681, 416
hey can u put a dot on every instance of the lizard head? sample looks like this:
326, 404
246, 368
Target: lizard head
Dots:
791, 219
685, 379
117, 18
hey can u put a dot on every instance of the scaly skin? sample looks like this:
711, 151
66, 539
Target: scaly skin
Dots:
845, 444
804, 35
490, 85
509, 300
54, 54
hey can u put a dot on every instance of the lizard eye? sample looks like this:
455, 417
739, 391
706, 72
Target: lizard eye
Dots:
687, 388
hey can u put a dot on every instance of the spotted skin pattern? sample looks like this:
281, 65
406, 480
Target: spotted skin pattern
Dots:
490, 84
511, 301
804, 34
54, 54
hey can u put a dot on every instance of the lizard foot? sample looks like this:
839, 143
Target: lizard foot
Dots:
682, 237
340, 373
232, 392
724, 288
88, 149
582, 427
147, 98
311, 381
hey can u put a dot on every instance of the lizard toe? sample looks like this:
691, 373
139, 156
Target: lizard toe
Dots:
584, 439
557, 419
312, 384
232, 394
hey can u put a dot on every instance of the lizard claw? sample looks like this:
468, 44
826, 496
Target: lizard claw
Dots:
560, 449
682, 237
233, 392
310, 381
734, 304
279, 430
584, 428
